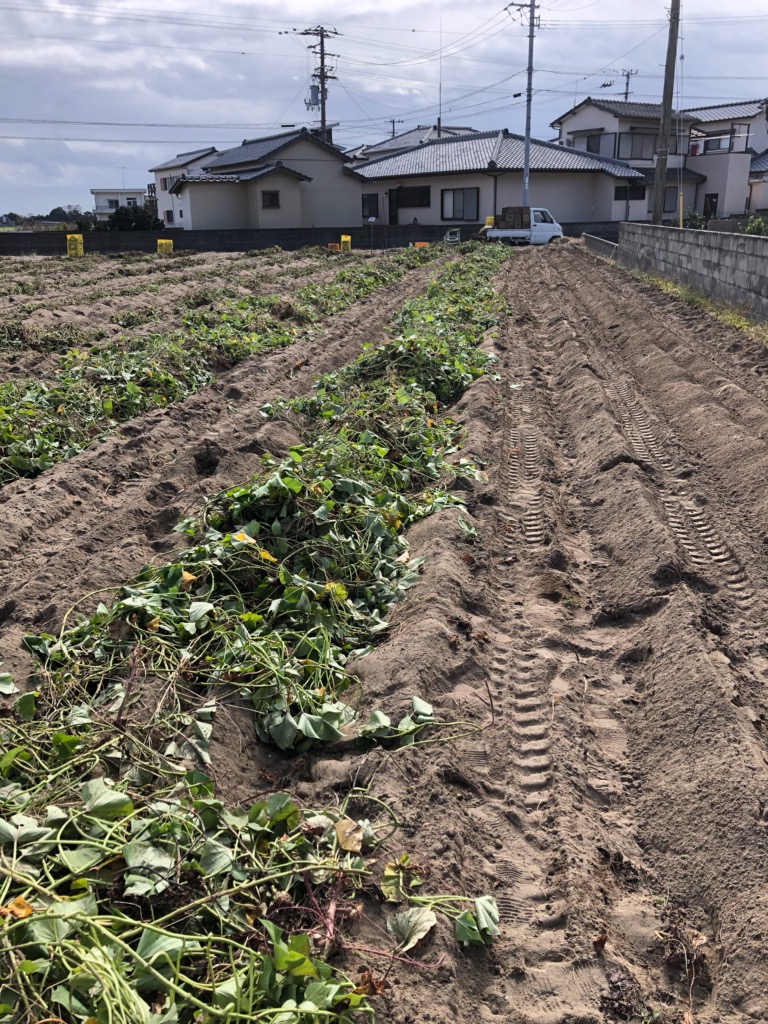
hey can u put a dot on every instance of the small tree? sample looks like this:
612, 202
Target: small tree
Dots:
756, 225
133, 218
693, 219
57, 213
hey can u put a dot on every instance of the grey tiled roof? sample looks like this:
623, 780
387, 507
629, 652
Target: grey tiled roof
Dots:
259, 172
759, 163
416, 137
253, 151
629, 109
182, 159
727, 111
476, 153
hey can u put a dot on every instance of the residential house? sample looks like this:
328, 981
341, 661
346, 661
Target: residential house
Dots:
107, 200
173, 210
466, 179
290, 180
629, 131
724, 140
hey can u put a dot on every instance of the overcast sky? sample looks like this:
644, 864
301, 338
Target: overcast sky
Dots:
164, 79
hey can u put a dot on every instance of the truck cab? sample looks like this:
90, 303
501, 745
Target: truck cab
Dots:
544, 227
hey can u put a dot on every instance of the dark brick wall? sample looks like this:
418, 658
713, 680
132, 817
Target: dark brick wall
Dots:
54, 243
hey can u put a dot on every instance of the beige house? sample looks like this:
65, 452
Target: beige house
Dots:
291, 180
724, 141
629, 131
466, 179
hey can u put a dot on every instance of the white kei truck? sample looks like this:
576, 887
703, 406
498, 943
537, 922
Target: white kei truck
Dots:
523, 225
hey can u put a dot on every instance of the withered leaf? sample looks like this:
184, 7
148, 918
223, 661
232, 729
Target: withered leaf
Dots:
350, 835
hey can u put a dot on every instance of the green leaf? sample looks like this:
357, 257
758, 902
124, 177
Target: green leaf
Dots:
487, 916
81, 858
150, 869
199, 610
101, 801
466, 930
26, 706
215, 859
411, 926
7, 685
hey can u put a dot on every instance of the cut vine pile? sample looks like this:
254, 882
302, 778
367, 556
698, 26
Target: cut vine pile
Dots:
129, 892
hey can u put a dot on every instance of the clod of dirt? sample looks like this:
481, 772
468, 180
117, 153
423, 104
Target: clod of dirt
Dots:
207, 458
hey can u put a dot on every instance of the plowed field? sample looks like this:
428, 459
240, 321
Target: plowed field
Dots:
589, 630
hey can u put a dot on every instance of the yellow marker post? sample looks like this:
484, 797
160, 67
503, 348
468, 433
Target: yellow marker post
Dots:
75, 245
346, 243
164, 246
489, 222
681, 209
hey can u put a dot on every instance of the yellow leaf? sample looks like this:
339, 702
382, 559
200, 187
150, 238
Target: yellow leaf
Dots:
350, 835
243, 537
60, 409
187, 579
19, 908
266, 555
404, 559
153, 625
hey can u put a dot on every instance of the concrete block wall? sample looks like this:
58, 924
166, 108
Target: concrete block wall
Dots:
600, 246
729, 267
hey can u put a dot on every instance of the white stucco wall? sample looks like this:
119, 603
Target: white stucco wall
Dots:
727, 176
178, 204
332, 198
289, 214
217, 205
759, 195
568, 196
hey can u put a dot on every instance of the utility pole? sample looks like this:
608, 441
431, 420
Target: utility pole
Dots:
531, 7
319, 93
393, 121
662, 148
626, 75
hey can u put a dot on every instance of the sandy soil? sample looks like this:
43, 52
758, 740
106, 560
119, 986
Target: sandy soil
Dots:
601, 646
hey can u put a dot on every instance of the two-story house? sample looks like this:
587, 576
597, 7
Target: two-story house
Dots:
172, 209
107, 200
725, 140
290, 180
628, 131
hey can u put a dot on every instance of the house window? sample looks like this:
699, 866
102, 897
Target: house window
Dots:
370, 205
270, 200
603, 144
131, 201
181, 215
624, 193
634, 146
413, 195
739, 138
169, 216
717, 144
166, 183
460, 203
670, 199
112, 204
